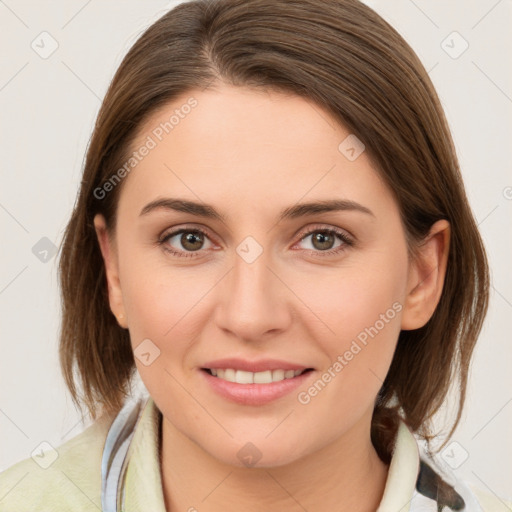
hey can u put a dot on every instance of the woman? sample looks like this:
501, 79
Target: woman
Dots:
272, 232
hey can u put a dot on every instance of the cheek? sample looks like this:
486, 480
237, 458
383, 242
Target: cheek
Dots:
164, 304
352, 298
160, 308
360, 313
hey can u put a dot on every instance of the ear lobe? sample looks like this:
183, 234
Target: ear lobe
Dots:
109, 253
426, 277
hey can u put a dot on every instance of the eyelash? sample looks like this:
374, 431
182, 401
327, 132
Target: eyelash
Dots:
347, 242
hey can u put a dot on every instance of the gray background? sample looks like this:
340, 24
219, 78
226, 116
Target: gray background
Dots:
48, 106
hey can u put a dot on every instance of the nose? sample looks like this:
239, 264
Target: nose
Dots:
253, 299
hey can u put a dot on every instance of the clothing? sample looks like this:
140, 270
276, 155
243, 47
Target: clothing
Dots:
74, 480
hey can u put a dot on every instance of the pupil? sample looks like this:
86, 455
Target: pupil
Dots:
324, 239
189, 238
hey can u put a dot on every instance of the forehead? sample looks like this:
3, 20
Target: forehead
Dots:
240, 116
264, 146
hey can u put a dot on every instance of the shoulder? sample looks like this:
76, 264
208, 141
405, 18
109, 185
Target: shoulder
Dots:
67, 478
489, 502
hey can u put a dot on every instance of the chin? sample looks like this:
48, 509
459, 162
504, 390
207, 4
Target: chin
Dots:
258, 452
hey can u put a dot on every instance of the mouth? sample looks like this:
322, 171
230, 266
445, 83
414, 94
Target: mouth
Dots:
254, 382
255, 388
263, 377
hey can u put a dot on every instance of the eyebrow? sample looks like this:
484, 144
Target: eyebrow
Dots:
299, 210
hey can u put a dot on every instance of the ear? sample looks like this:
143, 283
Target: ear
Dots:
426, 277
109, 253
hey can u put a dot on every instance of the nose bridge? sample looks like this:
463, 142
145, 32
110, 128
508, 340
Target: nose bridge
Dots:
251, 285
253, 301
251, 273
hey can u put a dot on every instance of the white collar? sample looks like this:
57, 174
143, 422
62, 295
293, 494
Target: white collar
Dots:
131, 468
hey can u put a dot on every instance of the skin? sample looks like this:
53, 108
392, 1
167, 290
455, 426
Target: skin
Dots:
250, 154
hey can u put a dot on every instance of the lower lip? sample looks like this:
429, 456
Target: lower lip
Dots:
254, 394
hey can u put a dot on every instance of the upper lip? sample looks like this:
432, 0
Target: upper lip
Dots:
253, 366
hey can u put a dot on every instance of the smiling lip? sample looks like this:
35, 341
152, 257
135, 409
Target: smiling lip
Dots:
253, 366
253, 394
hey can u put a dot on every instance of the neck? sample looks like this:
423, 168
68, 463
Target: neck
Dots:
345, 475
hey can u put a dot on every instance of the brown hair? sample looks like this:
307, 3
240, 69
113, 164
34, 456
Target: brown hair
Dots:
347, 59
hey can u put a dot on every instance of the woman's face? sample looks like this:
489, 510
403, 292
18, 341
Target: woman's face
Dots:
267, 284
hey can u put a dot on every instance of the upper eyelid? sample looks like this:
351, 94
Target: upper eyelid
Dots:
322, 227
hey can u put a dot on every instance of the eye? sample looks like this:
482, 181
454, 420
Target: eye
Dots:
323, 240
191, 240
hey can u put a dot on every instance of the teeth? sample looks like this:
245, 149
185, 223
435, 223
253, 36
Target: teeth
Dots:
229, 374
278, 375
243, 377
